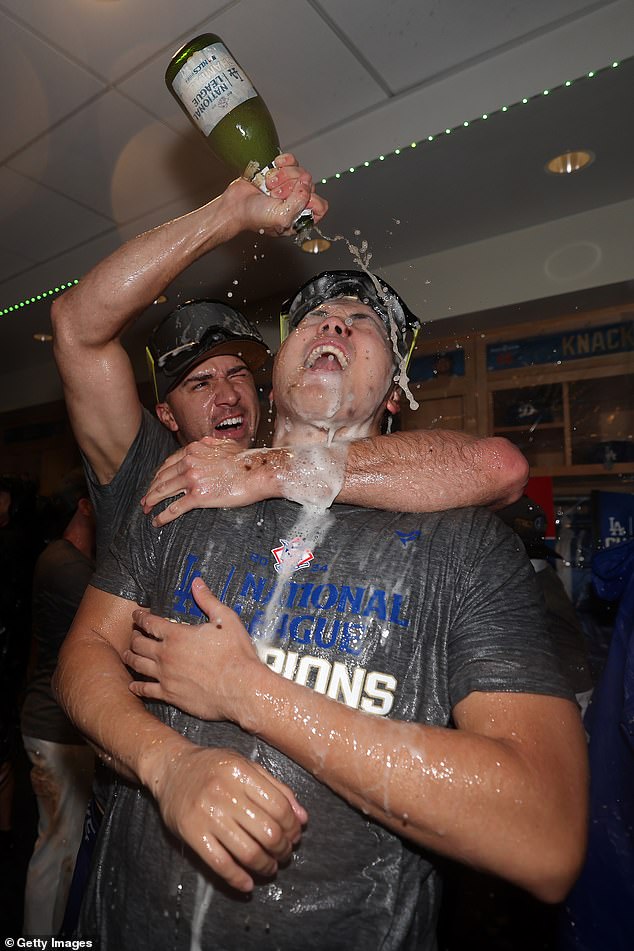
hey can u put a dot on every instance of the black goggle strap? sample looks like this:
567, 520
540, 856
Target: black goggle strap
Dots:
152, 368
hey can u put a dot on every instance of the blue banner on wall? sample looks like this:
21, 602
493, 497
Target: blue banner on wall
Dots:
435, 366
561, 347
613, 517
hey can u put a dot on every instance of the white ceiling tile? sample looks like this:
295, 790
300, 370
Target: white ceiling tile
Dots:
147, 88
310, 83
112, 38
408, 42
41, 222
38, 86
11, 264
116, 159
65, 268
306, 75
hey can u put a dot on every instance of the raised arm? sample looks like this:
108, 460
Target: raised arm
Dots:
229, 810
88, 320
504, 792
417, 471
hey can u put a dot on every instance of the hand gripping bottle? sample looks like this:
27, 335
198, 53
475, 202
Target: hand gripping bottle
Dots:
216, 94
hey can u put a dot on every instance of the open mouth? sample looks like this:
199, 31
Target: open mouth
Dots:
326, 357
229, 425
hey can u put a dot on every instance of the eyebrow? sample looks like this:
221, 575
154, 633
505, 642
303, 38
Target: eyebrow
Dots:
322, 309
198, 376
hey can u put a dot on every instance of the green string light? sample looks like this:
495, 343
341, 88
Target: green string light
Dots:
38, 297
483, 117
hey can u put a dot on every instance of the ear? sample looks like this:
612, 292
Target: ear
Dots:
393, 403
85, 508
164, 413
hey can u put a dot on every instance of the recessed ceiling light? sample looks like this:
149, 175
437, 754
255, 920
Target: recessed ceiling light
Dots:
315, 245
43, 338
569, 162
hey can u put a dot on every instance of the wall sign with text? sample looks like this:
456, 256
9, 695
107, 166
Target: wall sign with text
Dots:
561, 347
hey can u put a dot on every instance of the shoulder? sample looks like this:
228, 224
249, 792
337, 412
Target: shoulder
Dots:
152, 444
61, 566
56, 554
472, 525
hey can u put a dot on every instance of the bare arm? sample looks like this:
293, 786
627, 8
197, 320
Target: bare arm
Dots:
89, 319
504, 792
418, 471
433, 470
229, 810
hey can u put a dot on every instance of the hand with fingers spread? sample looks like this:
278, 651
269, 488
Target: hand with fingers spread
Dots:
230, 811
212, 473
184, 660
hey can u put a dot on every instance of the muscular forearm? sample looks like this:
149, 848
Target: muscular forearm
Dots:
433, 470
417, 471
97, 310
91, 684
89, 319
475, 798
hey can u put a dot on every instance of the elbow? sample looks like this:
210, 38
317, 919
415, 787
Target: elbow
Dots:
560, 862
61, 324
555, 882
513, 468
58, 314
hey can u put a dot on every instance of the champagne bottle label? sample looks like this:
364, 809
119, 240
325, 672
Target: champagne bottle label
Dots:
210, 84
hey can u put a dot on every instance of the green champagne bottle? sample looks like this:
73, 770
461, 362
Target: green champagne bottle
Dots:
216, 94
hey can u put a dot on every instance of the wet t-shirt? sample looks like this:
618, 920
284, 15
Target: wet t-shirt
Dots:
396, 615
112, 502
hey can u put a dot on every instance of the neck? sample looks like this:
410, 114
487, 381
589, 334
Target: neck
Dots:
293, 432
80, 534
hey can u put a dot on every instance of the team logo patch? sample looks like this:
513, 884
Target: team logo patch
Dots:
406, 537
291, 555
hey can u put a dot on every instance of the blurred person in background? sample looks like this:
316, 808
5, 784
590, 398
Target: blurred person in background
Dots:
598, 912
18, 551
62, 763
528, 521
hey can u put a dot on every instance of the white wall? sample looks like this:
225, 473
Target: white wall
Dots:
586, 250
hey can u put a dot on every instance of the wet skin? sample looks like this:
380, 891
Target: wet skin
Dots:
335, 371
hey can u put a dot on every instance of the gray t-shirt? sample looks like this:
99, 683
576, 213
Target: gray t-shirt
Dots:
112, 502
396, 615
